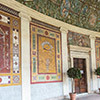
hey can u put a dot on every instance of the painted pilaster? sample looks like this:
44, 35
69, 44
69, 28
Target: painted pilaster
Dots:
25, 54
93, 62
64, 32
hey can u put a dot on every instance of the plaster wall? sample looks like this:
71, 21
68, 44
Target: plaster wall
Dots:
98, 83
10, 93
46, 91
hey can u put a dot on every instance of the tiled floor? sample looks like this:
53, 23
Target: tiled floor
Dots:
88, 97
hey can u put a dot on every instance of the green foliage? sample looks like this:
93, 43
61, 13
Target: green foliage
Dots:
74, 73
97, 71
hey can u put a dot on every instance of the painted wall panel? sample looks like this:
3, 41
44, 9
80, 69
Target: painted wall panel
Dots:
10, 54
46, 64
97, 48
10, 46
78, 39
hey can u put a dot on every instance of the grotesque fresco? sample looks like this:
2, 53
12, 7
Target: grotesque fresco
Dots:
10, 65
78, 39
4, 49
46, 46
82, 13
97, 44
45, 54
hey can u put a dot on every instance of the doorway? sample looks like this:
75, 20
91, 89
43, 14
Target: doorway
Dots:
80, 84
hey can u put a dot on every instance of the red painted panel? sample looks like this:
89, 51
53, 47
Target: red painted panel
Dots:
4, 49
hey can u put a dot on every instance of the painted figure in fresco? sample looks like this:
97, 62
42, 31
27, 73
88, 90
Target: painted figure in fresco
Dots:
4, 46
70, 38
84, 41
92, 20
78, 39
64, 8
80, 43
75, 39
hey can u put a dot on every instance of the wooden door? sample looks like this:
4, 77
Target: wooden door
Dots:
81, 84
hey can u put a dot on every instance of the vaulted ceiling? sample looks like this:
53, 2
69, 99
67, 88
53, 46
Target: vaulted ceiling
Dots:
82, 13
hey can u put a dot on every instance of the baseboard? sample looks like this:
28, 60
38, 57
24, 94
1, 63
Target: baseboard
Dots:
81, 94
56, 98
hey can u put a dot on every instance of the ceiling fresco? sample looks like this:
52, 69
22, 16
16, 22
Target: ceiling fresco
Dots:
82, 13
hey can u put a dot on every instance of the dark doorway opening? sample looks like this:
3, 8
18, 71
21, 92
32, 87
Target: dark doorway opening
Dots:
81, 84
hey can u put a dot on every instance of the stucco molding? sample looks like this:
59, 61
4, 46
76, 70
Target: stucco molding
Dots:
82, 52
92, 37
23, 15
9, 10
64, 30
79, 49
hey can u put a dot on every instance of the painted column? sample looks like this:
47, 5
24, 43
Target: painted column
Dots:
64, 32
25, 53
93, 62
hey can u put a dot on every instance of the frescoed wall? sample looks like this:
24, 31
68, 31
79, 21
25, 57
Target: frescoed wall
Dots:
97, 44
82, 13
10, 59
78, 39
10, 54
97, 50
46, 65
44, 52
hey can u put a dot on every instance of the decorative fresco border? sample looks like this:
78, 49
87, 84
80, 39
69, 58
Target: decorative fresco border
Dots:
9, 10
45, 24
45, 34
12, 60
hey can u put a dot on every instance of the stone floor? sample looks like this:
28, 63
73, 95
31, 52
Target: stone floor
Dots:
88, 97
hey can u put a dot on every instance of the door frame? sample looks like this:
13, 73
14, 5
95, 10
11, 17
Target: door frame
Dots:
84, 73
84, 53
